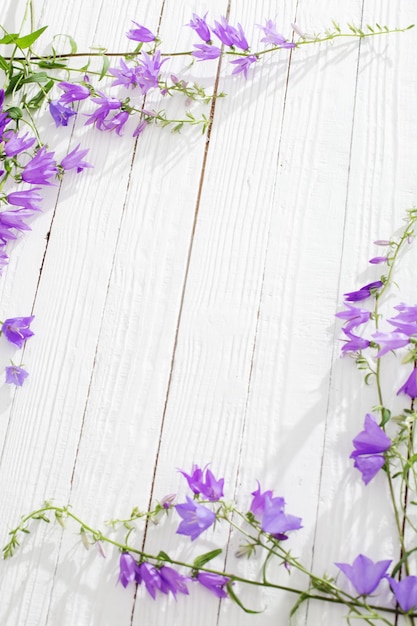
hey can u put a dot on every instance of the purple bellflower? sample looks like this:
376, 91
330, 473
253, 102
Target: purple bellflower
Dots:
15, 144
128, 569
229, 35
364, 574
11, 221
16, 375
60, 113
172, 581
369, 446
196, 518
105, 107
405, 592
29, 199
406, 320
204, 52
74, 160
354, 343
200, 26
390, 341
243, 64
378, 259
17, 329
40, 168
149, 575
273, 37
140, 33
257, 506
203, 482
364, 292
410, 385
73, 92
117, 122
148, 70
214, 583
354, 316
275, 521
125, 75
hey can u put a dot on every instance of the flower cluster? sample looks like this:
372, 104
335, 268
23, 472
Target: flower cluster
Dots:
17, 330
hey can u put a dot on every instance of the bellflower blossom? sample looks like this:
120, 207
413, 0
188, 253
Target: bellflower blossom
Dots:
172, 581
369, 445
273, 37
389, 341
364, 574
406, 319
354, 343
73, 92
128, 569
148, 574
60, 113
354, 316
196, 518
40, 168
17, 329
274, 520
229, 35
214, 583
243, 64
364, 292
410, 385
258, 501
405, 592
203, 482
204, 52
106, 106
141, 34
200, 26
378, 259
29, 198
11, 221
16, 375
74, 160
16, 144
148, 70
117, 122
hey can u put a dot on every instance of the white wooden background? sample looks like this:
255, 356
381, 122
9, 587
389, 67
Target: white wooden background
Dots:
184, 309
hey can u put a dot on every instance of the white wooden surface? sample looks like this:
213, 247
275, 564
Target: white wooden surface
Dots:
185, 306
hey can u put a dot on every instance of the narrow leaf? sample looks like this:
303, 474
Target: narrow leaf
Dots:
105, 67
28, 40
4, 64
200, 561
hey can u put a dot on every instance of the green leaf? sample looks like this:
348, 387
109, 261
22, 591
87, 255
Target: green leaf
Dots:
4, 64
200, 561
28, 40
52, 65
163, 556
105, 67
234, 597
9, 38
36, 102
386, 416
38, 77
15, 113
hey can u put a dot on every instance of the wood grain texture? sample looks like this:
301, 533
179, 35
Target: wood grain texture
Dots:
185, 301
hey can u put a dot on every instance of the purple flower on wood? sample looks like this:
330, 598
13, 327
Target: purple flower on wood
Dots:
353, 316
17, 329
40, 169
105, 106
128, 569
354, 343
196, 518
15, 144
29, 198
11, 221
273, 37
369, 445
378, 259
149, 575
204, 52
214, 583
229, 35
172, 581
117, 122
140, 33
200, 26
73, 92
275, 521
148, 70
364, 292
390, 341
74, 160
405, 592
204, 482
140, 128
410, 385
125, 75
16, 375
406, 320
243, 64
257, 506
60, 113
364, 574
